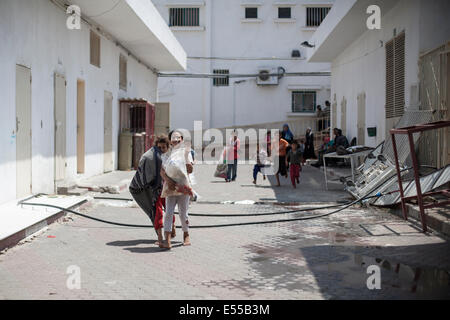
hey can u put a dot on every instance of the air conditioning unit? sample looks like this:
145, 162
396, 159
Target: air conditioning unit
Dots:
265, 78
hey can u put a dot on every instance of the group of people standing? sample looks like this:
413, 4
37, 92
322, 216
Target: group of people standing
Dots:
147, 186
291, 154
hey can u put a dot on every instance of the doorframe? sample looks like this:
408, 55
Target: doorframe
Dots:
31, 127
81, 167
105, 92
55, 75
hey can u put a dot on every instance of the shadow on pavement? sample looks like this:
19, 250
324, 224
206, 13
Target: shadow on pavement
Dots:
310, 189
154, 249
126, 243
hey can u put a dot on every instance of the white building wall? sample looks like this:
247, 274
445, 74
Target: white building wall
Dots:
361, 67
34, 34
225, 35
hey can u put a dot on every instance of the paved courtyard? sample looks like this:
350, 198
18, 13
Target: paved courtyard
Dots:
325, 258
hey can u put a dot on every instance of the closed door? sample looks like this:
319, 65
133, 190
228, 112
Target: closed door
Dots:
80, 126
361, 118
107, 153
60, 128
334, 113
344, 116
162, 118
23, 131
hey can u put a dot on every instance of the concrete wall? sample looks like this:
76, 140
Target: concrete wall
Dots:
34, 34
361, 67
226, 35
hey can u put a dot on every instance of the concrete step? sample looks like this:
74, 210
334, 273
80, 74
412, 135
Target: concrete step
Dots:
77, 191
63, 188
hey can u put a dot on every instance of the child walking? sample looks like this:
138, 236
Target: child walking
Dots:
294, 158
261, 162
301, 147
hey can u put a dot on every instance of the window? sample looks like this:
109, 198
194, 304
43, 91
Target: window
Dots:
395, 76
315, 16
251, 13
303, 101
184, 17
123, 73
222, 81
95, 49
284, 13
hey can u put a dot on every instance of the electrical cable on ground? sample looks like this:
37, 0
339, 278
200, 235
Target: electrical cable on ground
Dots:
345, 206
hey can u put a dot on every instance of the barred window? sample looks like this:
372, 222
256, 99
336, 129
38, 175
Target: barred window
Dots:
251, 13
184, 17
222, 81
303, 101
395, 76
315, 16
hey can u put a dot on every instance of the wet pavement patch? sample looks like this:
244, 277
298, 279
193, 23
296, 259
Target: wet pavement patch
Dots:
342, 272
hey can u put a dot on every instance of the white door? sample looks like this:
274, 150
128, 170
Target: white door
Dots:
334, 113
23, 131
60, 128
162, 118
344, 116
361, 119
80, 126
107, 153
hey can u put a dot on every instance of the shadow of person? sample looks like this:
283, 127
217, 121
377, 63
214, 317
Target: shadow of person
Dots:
154, 249
126, 243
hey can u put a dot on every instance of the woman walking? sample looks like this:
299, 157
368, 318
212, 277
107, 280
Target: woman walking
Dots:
146, 186
178, 196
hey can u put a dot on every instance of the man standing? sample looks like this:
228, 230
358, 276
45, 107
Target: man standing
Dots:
232, 156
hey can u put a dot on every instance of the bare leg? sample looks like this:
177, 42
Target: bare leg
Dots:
166, 244
187, 239
278, 180
174, 232
160, 237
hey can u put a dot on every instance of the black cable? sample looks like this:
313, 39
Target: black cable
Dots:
241, 215
204, 226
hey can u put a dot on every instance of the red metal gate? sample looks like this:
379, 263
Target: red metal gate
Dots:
138, 116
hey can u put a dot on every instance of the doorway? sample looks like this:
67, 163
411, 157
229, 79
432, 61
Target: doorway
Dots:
80, 126
162, 118
23, 131
60, 128
107, 136
361, 103
344, 116
434, 68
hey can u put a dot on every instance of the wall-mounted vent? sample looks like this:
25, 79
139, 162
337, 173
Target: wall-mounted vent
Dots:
295, 54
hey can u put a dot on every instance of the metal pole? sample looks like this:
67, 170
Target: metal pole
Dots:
417, 180
234, 100
234, 104
399, 176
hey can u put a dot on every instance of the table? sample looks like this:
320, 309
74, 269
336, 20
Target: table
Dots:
350, 156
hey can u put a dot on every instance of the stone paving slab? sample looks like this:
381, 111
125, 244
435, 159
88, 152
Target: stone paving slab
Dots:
324, 258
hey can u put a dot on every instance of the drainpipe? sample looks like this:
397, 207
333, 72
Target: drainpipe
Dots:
234, 100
